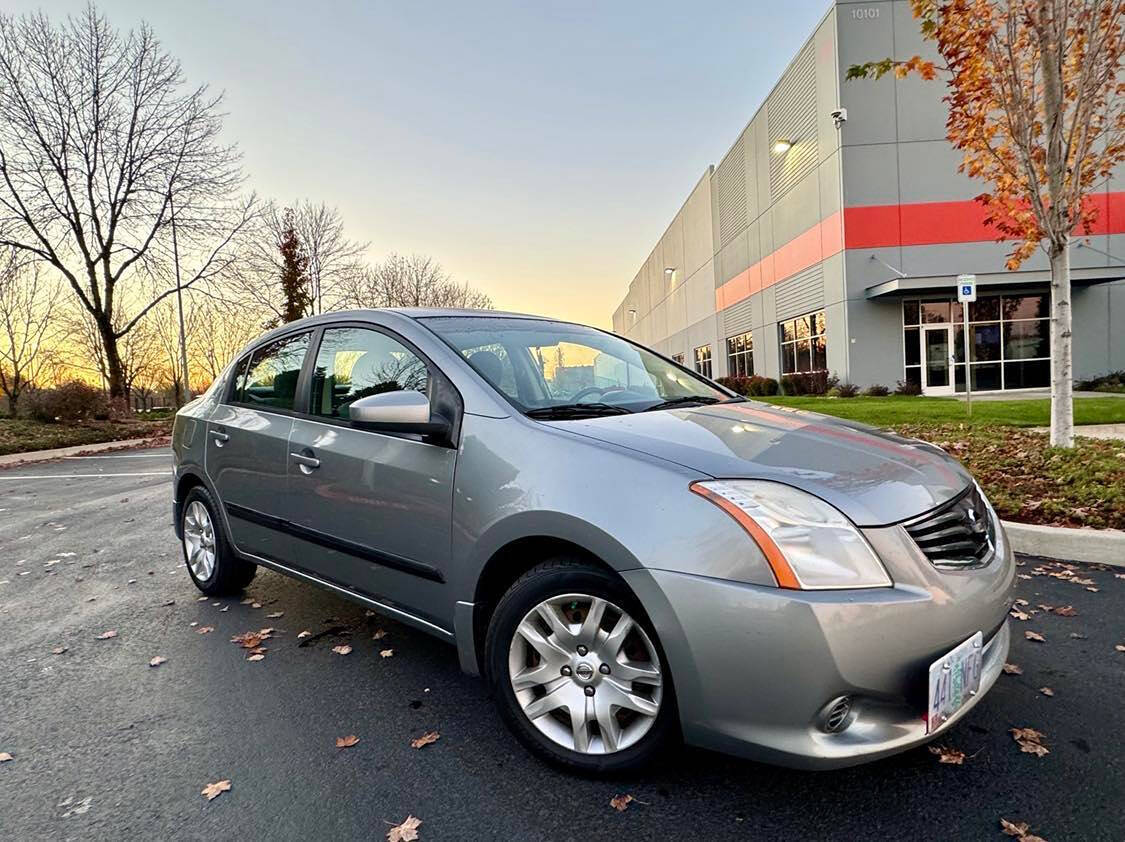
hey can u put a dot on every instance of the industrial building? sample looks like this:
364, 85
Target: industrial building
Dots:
830, 235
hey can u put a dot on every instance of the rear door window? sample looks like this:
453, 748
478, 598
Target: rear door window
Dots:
271, 380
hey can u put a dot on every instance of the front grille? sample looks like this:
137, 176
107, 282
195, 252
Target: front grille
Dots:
957, 536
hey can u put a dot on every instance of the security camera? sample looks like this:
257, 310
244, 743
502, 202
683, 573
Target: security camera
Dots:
839, 116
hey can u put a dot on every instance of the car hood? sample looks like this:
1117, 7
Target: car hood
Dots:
873, 477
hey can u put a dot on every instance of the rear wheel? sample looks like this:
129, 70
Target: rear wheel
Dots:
578, 671
210, 560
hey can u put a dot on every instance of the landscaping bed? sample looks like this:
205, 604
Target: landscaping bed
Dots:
901, 409
23, 435
1029, 481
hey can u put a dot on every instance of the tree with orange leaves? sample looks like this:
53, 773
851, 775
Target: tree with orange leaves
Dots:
1037, 105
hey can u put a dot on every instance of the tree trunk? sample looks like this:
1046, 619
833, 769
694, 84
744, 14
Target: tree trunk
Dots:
1062, 374
114, 370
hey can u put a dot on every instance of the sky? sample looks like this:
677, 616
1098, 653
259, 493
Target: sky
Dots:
537, 150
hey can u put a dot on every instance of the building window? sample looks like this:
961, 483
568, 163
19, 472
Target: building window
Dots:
1009, 334
803, 344
678, 358
703, 360
740, 355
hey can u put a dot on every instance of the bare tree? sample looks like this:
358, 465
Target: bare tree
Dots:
165, 325
332, 261
414, 281
99, 135
27, 302
221, 331
138, 352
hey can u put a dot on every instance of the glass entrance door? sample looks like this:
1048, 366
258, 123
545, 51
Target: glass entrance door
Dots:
937, 345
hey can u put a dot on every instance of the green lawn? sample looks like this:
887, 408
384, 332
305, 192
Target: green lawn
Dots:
897, 410
22, 435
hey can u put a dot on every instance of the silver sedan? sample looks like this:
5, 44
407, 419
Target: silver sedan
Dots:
626, 551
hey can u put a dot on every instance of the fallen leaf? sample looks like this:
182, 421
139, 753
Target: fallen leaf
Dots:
1012, 669
1019, 615
1030, 635
1120, 647
249, 640
945, 754
386, 653
303, 634
275, 615
347, 742
157, 661
255, 605
107, 635
1078, 636
1014, 828
258, 656
213, 791
379, 635
405, 832
58, 650
246, 601
425, 739
343, 649
1092, 590
202, 599
620, 802
169, 602
1046, 691
1066, 611
1023, 602
193, 625
204, 629
5, 757
1029, 740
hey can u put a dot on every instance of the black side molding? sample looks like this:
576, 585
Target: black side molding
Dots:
304, 533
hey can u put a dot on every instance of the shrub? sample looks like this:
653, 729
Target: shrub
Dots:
904, 388
813, 383
846, 390
763, 386
70, 401
1112, 382
741, 385
876, 391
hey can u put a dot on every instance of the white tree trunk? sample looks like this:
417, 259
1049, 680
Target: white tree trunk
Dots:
1062, 373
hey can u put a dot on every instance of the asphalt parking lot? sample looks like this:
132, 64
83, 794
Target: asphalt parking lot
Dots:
105, 746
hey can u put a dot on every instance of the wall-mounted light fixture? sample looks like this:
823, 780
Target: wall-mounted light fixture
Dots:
632, 315
782, 145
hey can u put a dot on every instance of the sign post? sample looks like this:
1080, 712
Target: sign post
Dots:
966, 292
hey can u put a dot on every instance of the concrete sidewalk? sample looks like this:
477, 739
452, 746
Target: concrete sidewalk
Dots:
74, 450
1093, 431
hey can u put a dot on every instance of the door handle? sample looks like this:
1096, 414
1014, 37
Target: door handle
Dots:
220, 438
306, 463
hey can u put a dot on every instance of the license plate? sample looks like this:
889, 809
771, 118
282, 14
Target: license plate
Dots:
954, 679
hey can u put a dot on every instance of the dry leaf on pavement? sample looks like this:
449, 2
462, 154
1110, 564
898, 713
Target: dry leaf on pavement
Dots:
425, 739
1029, 740
58, 650
5, 757
945, 754
255, 605
1019, 830
303, 634
1022, 602
107, 635
620, 802
1030, 635
257, 656
275, 615
1066, 611
213, 791
1012, 669
386, 653
1119, 647
1046, 691
157, 661
343, 649
347, 742
405, 832
204, 629
379, 635
1019, 615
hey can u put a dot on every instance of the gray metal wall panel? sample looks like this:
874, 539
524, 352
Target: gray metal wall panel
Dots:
866, 32
791, 115
800, 294
728, 189
738, 319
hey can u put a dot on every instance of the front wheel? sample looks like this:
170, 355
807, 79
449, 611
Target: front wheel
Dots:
577, 669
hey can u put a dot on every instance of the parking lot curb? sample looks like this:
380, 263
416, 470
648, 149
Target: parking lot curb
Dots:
74, 450
1096, 546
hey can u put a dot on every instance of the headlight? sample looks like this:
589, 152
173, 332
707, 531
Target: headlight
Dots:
808, 543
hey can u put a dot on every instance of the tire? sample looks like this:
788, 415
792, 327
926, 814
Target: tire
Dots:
580, 745
227, 573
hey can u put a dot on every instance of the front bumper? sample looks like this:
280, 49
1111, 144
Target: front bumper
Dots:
753, 666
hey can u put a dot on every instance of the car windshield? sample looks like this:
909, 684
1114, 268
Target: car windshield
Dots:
550, 368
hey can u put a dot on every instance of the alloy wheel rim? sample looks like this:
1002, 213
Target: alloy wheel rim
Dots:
199, 541
585, 674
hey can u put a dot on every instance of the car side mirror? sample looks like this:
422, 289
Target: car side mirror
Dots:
401, 411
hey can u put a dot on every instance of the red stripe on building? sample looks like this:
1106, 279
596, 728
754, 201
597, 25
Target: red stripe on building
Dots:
884, 226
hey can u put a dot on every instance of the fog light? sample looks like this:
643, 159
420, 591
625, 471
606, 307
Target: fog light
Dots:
836, 715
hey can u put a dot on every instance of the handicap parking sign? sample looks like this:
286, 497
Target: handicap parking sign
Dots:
966, 287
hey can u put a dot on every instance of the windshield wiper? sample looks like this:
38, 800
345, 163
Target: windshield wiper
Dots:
576, 410
686, 400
